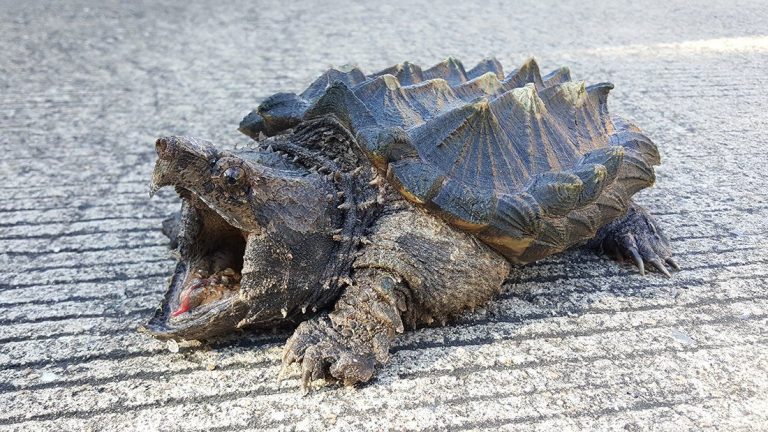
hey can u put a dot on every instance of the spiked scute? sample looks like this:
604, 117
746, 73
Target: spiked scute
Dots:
530, 165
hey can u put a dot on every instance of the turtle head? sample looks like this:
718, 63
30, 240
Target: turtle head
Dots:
255, 238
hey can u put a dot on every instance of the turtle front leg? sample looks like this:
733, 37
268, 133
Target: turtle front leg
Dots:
636, 236
348, 343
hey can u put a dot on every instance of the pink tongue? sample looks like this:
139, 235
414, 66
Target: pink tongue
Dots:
184, 305
185, 295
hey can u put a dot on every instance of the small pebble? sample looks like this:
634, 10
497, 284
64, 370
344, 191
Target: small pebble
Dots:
331, 418
47, 377
172, 345
682, 337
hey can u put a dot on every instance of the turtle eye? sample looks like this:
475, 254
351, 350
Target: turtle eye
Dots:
233, 175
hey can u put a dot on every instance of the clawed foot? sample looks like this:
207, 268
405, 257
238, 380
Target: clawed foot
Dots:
351, 341
637, 237
324, 353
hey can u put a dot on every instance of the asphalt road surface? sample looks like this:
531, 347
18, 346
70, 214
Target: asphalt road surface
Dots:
575, 342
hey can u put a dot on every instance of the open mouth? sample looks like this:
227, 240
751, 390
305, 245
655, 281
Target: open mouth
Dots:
204, 297
214, 264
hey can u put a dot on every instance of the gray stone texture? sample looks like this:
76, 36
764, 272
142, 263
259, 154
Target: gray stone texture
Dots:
575, 342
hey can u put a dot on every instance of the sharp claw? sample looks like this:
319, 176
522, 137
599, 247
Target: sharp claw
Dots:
638, 260
306, 380
283, 372
294, 349
660, 266
672, 263
288, 355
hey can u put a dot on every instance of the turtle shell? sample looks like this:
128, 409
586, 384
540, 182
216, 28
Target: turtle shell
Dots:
529, 164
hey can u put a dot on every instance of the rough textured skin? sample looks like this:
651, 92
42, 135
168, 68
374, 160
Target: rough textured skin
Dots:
445, 271
395, 200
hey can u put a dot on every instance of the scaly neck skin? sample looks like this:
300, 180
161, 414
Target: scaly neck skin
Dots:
352, 198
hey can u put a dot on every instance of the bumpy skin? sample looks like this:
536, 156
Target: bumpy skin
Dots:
379, 203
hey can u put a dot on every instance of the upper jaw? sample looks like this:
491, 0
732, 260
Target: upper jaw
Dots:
180, 162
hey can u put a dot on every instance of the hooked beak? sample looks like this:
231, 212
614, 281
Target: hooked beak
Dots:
157, 181
175, 156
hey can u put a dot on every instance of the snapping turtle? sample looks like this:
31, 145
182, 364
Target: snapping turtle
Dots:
368, 204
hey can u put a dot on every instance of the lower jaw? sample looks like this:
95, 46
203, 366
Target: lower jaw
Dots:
205, 322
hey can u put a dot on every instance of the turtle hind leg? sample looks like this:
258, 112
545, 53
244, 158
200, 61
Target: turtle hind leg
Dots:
637, 237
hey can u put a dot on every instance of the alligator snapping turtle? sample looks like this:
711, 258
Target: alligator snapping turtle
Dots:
400, 199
